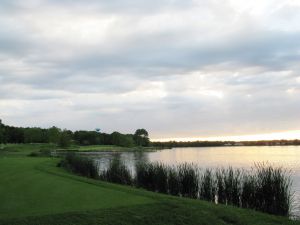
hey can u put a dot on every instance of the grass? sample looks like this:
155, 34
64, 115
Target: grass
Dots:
117, 172
46, 148
80, 165
24, 149
266, 188
101, 148
34, 191
112, 148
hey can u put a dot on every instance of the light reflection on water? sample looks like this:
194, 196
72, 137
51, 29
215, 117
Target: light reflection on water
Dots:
213, 157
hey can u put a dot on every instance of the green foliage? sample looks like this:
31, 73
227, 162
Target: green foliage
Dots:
117, 172
1, 132
122, 139
189, 180
54, 134
268, 189
141, 138
207, 186
80, 165
272, 190
10, 134
64, 139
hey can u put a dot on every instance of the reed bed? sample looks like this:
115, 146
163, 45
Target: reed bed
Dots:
117, 172
80, 165
264, 188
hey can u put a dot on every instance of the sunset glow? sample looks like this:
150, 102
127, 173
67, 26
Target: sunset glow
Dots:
287, 135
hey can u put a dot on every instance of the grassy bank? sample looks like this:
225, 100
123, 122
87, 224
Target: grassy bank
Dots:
33, 190
46, 149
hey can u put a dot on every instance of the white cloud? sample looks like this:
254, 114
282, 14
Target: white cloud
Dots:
176, 68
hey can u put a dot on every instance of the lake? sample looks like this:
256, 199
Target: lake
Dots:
213, 157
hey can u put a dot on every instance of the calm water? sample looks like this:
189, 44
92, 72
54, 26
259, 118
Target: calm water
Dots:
212, 157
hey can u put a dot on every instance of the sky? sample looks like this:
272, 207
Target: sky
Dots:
180, 69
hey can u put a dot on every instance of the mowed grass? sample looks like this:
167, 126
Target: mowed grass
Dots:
33, 191
23, 149
26, 190
113, 148
102, 148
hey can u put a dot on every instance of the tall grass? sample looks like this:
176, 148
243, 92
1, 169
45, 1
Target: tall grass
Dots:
220, 186
173, 181
207, 186
248, 196
80, 165
189, 180
265, 188
117, 172
232, 186
273, 190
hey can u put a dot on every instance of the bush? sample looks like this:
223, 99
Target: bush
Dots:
33, 154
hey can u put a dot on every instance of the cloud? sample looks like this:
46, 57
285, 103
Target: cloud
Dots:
176, 68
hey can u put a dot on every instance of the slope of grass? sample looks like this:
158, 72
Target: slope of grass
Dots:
24, 149
34, 191
25, 191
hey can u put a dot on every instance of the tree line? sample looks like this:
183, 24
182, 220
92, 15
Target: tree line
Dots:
64, 138
179, 144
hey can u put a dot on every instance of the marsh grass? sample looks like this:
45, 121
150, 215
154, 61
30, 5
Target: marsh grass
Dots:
80, 165
160, 177
272, 190
117, 172
264, 188
233, 187
207, 186
189, 180
173, 181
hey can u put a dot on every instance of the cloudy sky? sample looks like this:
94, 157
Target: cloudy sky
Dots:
180, 69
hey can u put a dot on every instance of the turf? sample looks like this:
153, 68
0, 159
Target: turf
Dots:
34, 191
102, 148
26, 190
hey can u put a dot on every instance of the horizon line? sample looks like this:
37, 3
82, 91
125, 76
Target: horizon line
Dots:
285, 135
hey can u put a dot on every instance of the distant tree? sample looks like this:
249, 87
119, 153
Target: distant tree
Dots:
124, 140
141, 138
53, 134
35, 135
64, 139
1, 133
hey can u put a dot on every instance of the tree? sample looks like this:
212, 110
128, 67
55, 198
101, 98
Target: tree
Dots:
1, 132
53, 134
141, 138
64, 139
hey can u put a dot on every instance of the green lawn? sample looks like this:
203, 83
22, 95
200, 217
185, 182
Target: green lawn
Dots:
24, 149
34, 191
102, 148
